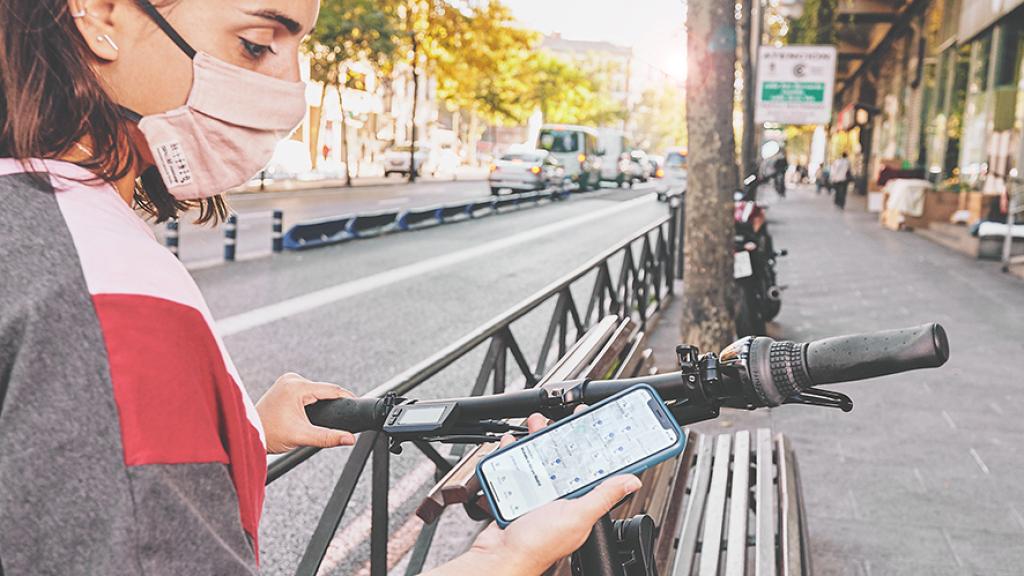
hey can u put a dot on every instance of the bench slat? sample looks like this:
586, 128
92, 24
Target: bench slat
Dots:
671, 522
736, 547
714, 517
789, 504
694, 509
764, 558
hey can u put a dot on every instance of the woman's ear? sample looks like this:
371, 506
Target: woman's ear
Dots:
95, 21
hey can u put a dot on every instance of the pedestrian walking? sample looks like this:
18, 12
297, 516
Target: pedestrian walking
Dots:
128, 444
840, 176
781, 166
821, 179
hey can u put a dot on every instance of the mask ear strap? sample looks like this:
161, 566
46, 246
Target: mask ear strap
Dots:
169, 30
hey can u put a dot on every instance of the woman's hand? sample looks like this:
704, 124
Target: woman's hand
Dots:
532, 543
283, 414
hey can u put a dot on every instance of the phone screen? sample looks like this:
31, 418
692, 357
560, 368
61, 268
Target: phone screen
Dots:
570, 455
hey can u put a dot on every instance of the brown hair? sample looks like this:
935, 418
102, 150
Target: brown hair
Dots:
53, 100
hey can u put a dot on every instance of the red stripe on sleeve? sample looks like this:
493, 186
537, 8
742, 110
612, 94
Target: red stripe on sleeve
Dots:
176, 401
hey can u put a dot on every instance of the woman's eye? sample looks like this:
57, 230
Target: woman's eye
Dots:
256, 51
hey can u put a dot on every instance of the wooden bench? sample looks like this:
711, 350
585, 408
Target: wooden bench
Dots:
729, 504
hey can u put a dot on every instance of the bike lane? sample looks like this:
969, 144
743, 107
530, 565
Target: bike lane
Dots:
922, 476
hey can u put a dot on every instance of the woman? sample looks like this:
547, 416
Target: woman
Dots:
127, 443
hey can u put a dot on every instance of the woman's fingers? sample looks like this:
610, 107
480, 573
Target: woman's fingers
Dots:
309, 435
535, 422
607, 494
315, 391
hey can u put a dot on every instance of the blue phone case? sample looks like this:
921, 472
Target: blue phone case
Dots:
635, 468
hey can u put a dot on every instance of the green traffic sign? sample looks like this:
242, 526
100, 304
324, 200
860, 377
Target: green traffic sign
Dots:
793, 92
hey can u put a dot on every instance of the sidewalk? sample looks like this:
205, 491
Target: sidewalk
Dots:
466, 173
923, 477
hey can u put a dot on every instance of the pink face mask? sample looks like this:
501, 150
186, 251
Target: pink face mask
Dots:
227, 130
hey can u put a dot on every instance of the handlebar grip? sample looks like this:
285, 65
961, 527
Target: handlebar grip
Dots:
352, 414
860, 356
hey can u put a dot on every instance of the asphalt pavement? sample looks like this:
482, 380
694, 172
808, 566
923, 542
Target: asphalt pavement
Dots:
923, 477
361, 312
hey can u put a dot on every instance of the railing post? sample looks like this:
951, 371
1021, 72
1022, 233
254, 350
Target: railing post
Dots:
171, 238
379, 507
277, 231
230, 237
679, 244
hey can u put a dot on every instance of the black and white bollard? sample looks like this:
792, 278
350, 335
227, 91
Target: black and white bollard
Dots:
171, 237
230, 237
278, 231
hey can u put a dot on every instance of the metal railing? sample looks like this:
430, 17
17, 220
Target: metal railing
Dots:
1014, 213
640, 286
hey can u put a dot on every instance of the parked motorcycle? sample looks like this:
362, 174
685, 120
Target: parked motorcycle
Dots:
754, 265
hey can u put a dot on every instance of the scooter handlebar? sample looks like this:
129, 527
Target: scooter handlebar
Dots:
352, 414
780, 369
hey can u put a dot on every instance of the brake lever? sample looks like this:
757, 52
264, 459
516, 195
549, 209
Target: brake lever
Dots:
824, 398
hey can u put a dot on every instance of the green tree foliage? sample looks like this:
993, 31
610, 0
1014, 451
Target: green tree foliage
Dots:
353, 30
816, 25
567, 93
660, 118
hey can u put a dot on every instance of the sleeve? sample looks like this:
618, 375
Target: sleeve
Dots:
70, 503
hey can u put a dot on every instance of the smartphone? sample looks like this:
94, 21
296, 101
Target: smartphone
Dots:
624, 434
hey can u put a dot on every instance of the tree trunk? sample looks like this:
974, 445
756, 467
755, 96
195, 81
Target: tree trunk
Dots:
708, 320
746, 48
344, 136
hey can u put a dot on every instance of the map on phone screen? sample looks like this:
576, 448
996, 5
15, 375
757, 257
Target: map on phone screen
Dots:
591, 446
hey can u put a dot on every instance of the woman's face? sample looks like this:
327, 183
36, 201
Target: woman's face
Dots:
146, 72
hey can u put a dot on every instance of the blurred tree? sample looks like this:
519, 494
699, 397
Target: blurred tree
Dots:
660, 118
347, 31
708, 319
566, 93
816, 25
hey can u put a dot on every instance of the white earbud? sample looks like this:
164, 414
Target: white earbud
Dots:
106, 38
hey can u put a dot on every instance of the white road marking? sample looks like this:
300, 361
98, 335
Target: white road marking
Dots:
949, 419
273, 312
979, 461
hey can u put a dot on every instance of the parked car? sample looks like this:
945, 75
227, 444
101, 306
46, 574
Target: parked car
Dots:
673, 171
396, 159
641, 165
526, 170
577, 149
657, 165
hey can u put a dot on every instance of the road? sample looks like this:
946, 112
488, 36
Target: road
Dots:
201, 246
361, 312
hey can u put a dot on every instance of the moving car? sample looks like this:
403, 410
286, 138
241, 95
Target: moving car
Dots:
396, 159
642, 166
577, 149
526, 170
674, 171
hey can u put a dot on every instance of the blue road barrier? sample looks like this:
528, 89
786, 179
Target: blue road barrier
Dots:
366, 225
342, 228
420, 218
453, 213
480, 208
315, 233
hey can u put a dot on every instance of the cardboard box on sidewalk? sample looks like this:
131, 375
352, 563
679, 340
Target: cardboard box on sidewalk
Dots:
938, 207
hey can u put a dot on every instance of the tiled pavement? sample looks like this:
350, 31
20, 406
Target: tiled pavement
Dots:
926, 475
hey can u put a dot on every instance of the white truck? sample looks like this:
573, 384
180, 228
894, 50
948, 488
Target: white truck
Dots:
577, 149
616, 165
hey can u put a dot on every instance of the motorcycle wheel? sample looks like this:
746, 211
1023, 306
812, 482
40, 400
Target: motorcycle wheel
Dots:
750, 320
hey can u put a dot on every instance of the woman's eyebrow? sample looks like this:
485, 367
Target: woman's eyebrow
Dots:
290, 23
